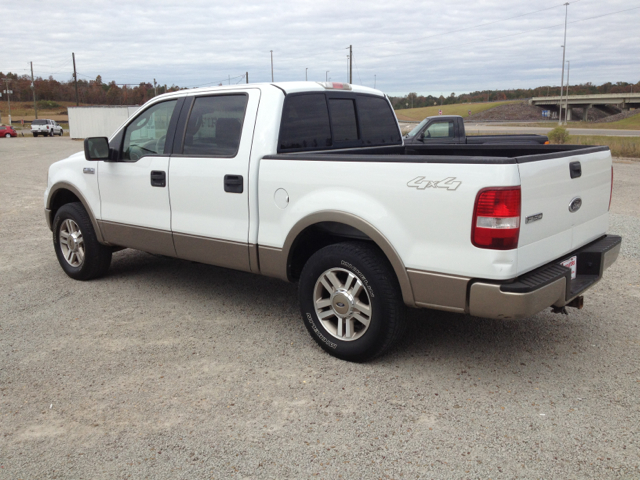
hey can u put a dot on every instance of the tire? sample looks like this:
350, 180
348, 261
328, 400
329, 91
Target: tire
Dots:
35, 134
79, 253
8, 135
51, 133
363, 315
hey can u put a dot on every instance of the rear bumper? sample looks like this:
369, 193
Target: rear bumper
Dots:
550, 285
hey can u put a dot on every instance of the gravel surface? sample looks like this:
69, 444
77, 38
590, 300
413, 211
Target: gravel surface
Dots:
170, 369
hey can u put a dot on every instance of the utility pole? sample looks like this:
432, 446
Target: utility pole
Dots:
155, 88
271, 65
350, 64
566, 107
7, 81
374, 81
229, 79
326, 75
347, 68
33, 89
564, 49
307, 79
246, 74
75, 77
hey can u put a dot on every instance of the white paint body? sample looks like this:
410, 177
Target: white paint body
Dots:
429, 228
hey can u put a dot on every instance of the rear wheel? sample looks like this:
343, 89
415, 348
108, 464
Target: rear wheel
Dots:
79, 253
351, 302
51, 133
8, 135
35, 134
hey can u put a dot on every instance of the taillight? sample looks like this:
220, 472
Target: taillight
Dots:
496, 218
611, 191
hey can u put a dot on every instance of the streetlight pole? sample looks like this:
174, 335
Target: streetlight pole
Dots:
306, 79
271, 64
326, 75
374, 81
564, 49
7, 82
566, 105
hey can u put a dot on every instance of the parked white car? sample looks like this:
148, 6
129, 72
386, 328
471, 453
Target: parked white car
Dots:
45, 127
311, 183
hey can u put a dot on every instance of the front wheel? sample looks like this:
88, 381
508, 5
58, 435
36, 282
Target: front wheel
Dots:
79, 253
8, 135
351, 302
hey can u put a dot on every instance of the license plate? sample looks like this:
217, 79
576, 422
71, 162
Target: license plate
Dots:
572, 263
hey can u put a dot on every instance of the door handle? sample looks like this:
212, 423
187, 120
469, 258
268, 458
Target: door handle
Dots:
233, 183
575, 169
158, 178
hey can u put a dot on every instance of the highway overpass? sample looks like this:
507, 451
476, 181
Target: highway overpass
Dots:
624, 101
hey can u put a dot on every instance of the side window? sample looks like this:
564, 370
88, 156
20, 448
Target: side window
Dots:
215, 126
343, 119
377, 121
305, 122
147, 133
440, 130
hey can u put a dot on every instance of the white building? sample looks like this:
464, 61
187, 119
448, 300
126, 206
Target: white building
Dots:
97, 121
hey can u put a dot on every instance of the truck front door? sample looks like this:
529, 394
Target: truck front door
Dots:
439, 131
134, 194
209, 178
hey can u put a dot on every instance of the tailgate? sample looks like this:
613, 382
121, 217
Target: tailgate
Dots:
565, 203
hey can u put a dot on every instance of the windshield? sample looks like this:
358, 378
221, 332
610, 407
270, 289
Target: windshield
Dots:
414, 132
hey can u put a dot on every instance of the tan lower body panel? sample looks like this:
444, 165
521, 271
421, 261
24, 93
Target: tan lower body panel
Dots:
272, 262
221, 253
439, 291
488, 301
141, 238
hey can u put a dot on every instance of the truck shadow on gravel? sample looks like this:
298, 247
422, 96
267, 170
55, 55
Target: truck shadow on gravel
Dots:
431, 335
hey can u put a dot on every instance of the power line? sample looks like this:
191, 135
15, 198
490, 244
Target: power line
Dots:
469, 28
413, 52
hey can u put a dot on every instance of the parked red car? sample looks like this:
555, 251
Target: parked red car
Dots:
7, 131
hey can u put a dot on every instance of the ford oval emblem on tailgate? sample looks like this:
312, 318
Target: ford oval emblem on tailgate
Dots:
575, 204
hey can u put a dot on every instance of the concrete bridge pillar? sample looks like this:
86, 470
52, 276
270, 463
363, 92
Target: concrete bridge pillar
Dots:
569, 113
585, 113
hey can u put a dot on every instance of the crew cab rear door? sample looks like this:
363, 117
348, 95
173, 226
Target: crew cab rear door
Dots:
208, 176
565, 203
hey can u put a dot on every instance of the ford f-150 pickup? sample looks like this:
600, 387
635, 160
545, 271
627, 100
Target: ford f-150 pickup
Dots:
311, 183
449, 129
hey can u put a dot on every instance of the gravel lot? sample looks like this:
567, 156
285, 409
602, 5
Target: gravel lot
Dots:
170, 369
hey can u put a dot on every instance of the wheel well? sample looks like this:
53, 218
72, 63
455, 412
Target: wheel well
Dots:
318, 236
60, 198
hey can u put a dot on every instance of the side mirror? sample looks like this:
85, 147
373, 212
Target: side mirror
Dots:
96, 148
421, 136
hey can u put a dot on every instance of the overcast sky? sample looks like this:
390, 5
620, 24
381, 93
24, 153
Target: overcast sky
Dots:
430, 47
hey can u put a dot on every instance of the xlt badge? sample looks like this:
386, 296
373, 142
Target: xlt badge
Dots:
420, 183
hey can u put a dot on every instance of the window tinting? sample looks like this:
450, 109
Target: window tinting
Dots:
147, 134
39, 122
343, 119
377, 121
305, 122
215, 126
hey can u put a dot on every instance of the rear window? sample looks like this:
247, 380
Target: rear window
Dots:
315, 121
39, 122
343, 119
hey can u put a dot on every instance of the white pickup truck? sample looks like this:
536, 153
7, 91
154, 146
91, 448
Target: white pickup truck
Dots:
311, 183
46, 127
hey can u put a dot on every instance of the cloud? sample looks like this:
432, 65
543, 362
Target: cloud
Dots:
427, 47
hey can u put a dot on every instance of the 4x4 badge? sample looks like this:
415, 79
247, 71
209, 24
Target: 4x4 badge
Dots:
420, 183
